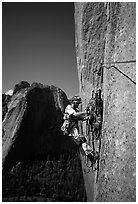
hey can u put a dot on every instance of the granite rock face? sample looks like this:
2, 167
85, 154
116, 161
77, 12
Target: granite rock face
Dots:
31, 127
21, 85
5, 101
106, 33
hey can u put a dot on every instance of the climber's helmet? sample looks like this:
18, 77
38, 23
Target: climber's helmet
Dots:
76, 100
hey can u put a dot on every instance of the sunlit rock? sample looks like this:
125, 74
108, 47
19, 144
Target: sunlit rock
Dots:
106, 33
31, 127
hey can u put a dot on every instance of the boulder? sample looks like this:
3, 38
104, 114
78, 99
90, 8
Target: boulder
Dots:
31, 127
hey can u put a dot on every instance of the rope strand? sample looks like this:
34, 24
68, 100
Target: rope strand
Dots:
112, 66
120, 72
123, 62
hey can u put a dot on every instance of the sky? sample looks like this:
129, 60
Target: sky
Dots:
38, 45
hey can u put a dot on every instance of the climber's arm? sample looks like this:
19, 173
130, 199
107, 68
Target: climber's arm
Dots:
80, 115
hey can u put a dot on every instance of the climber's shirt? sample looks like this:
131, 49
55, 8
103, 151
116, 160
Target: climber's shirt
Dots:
70, 124
69, 110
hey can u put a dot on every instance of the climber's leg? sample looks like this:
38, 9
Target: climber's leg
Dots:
81, 141
77, 138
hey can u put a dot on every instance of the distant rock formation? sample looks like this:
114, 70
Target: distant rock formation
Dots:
9, 92
31, 127
21, 85
5, 101
105, 36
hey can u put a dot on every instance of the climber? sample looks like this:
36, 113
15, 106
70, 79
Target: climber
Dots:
70, 126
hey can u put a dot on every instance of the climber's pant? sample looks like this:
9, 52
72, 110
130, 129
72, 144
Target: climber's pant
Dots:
79, 140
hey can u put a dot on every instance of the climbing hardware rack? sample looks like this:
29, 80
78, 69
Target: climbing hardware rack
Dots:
94, 126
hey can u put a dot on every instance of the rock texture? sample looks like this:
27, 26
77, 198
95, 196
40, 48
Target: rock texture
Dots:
21, 85
5, 101
106, 33
31, 127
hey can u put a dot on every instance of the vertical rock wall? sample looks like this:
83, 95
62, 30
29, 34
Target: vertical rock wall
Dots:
106, 33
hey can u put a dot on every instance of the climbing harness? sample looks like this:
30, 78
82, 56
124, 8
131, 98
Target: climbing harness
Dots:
69, 124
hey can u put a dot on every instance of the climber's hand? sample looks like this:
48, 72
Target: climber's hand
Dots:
88, 117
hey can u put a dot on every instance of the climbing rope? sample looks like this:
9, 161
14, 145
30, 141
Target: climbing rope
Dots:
112, 66
120, 72
121, 62
94, 123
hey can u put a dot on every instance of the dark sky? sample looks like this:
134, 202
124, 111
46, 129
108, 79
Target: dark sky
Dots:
38, 45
